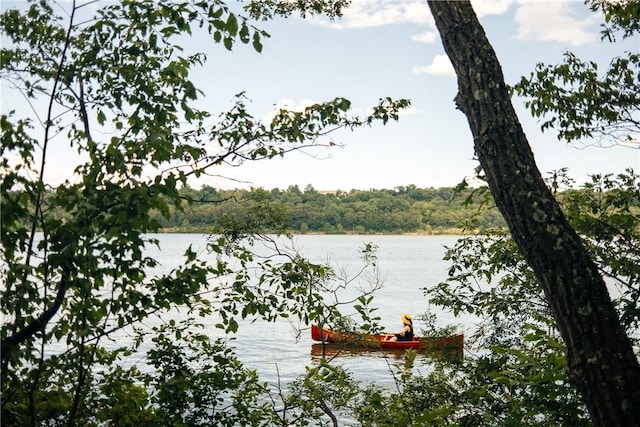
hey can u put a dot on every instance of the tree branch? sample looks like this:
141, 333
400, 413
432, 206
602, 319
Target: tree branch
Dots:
11, 342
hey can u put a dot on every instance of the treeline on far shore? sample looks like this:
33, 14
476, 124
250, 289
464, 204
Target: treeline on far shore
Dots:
402, 210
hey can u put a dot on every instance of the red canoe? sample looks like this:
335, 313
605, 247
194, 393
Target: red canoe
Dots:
453, 343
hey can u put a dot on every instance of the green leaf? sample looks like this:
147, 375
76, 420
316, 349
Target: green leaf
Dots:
244, 33
257, 45
102, 118
228, 43
232, 25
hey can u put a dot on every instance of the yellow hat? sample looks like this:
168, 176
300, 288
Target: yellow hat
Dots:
406, 319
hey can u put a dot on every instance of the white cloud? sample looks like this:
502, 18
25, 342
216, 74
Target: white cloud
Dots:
552, 21
440, 66
411, 111
376, 13
426, 37
536, 19
490, 7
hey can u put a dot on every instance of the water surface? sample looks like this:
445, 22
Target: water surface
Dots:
279, 351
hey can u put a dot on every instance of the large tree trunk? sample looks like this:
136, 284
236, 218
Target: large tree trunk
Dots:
600, 357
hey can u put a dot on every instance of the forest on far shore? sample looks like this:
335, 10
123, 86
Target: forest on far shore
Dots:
402, 210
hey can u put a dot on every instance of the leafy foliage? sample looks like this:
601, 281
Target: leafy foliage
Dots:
77, 276
581, 102
584, 105
268, 9
619, 16
520, 379
112, 83
402, 210
606, 214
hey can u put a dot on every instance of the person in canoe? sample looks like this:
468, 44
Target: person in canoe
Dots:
406, 334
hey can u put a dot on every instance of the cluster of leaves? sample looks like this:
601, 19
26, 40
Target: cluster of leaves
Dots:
586, 106
269, 9
578, 100
607, 218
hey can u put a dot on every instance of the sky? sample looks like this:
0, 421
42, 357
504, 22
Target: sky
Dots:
390, 48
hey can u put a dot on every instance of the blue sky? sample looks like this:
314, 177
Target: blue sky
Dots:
391, 48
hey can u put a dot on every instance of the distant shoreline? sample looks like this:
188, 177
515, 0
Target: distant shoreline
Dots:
444, 232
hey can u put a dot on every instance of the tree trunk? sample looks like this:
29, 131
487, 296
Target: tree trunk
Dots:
600, 357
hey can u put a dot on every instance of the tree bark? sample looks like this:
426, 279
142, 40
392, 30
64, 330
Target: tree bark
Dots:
600, 358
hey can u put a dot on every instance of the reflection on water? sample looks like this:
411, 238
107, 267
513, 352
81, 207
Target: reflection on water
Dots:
331, 351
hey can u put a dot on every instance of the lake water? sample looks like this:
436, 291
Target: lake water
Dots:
407, 264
